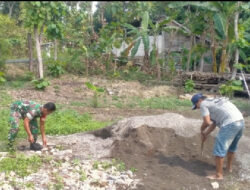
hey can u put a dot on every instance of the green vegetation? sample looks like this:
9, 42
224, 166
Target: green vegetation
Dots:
189, 86
168, 103
97, 92
83, 175
55, 68
21, 165
70, 121
61, 122
230, 86
41, 84
133, 169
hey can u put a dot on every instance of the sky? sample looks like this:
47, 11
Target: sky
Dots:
94, 6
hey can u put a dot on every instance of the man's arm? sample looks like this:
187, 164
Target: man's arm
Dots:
206, 122
27, 129
210, 129
42, 128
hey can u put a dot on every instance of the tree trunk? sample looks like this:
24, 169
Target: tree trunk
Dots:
172, 35
156, 58
39, 53
223, 63
55, 49
87, 66
213, 46
236, 32
145, 61
102, 13
203, 38
195, 57
91, 18
11, 5
189, 54
30, 49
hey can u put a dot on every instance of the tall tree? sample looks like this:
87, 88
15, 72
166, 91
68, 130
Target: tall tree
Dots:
36, 16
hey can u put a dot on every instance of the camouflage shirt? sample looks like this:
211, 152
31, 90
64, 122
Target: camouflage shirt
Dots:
29, 109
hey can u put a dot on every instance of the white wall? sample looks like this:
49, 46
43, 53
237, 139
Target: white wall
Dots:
140, 52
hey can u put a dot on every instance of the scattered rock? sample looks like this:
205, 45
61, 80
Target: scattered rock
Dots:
215, 185
80, 175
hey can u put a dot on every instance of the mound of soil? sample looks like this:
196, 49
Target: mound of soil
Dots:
165, 160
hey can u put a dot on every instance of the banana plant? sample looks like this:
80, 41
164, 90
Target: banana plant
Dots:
221, 14
140, 34
155, 30
97, 91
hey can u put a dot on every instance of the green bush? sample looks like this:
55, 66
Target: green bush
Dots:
97, 91
41, 84
56, 68
229, 87
189, 86
29, 76
73, 61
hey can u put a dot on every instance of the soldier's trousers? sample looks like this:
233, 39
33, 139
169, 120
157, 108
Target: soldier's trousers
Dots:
15, 117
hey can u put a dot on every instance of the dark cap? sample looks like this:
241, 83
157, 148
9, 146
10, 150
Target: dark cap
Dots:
195, 99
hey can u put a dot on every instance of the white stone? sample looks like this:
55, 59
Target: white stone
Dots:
2, 176
3, 154
38, 152
52, 150
215, 185
67, 158
120, 181
7, 187
12, 173
130, 173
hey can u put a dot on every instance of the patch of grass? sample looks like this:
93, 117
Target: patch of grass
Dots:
114, 97
134, 74
119, 165
14, 84
96, 165
30, 185
5, 99
61, 122
133, 169
167, 103
78, 104
83, 175
76, 162
78, 90
59, 147
106, 165
47, 159
243, 105
21, 165
69, 122
58, 182
118, 104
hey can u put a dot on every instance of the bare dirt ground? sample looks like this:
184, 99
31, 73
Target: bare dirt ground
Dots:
164, 158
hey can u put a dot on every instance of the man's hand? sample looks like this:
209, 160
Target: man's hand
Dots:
203, 137
31, 139
44, 141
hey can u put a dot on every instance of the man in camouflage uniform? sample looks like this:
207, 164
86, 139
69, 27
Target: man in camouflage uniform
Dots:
29, 111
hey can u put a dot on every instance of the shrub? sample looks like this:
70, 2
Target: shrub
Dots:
41, 84
189, 86
56, 68
229, 87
